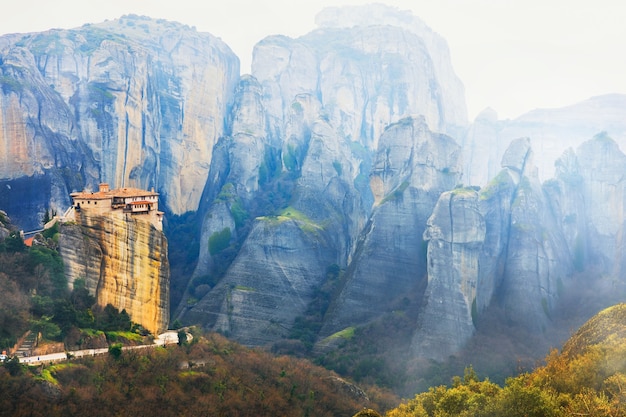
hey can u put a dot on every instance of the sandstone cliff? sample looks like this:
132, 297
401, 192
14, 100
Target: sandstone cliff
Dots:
304, 132
274, 276
123, 260
132, 102
455, 233
588, 197
236, 170
283, 259
413, 166
367, 70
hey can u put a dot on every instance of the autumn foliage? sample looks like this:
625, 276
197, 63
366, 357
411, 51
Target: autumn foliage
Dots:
210, 377
588, 378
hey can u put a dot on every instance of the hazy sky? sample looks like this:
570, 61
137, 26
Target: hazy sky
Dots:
512, 55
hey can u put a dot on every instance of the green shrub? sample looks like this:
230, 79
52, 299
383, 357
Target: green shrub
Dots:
111, 319
240, 215
218, 241
14, 243
48, 329
51, 232
289, 159
115, 350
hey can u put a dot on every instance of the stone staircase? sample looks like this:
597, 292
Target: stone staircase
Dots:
26, 345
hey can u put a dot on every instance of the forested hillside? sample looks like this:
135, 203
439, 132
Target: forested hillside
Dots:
208, 376
587, 378
37, 297
211, 376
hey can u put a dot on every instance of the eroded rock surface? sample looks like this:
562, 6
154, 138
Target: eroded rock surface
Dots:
123, 260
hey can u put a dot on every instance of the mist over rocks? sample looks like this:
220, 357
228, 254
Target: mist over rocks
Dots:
588, 195
537, 259
338, 183
455, 233
377, 14
501, 245
366, 76
412, 167
327, 97
551, 132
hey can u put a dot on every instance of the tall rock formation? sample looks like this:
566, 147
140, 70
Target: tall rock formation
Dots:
310, 121
504, 246
455, 233
527, 258
413, 166
133, 102
603, 167
588, 196
123, 260
368, 71
239, 167
551, 132
283, 260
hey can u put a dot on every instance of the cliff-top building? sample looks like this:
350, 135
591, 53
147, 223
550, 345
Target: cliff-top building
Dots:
113, 239
132, 201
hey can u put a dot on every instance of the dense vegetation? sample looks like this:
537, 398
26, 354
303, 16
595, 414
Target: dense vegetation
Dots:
36, 297
210, 377
380, 352
213, 376
588, 378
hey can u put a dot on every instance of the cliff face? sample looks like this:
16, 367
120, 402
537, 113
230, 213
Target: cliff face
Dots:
123, 260
504, 245
283, 259
306, 128
536, 257
368, 72
588, 198
42, 158
132, 102
413, 166
238, 164
340, 152
551, 132
272, 280
323, 167
455, 233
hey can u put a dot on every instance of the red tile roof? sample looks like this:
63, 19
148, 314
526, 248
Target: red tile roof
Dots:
121, 192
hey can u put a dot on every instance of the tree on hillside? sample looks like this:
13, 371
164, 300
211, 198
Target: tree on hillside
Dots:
13, 243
